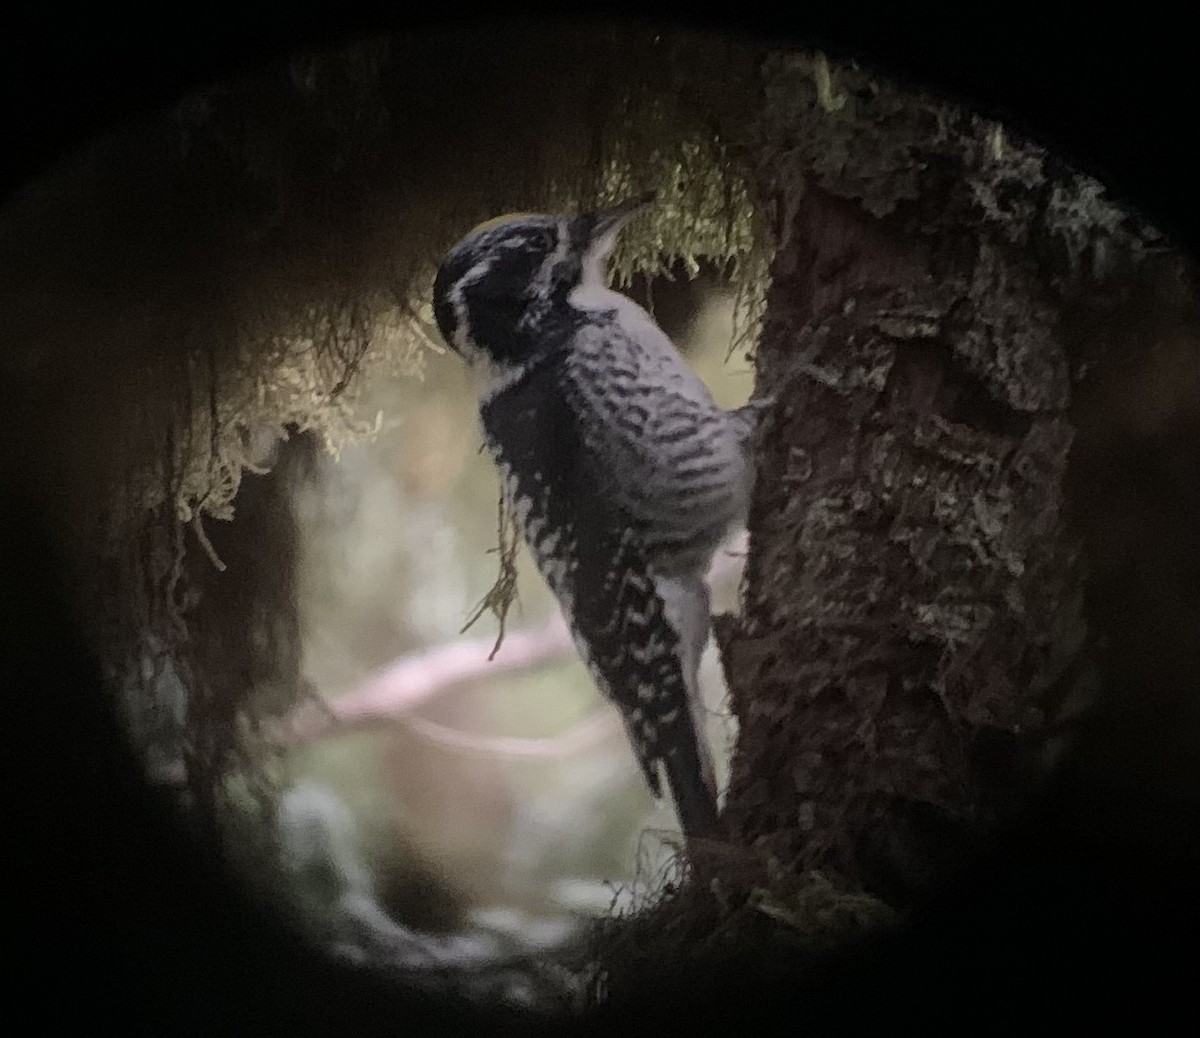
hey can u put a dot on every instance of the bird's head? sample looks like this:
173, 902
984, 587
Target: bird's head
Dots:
499, 284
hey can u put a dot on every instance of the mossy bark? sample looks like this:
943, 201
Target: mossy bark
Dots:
914, 587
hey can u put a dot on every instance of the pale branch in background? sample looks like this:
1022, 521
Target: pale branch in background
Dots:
393, 693
596, 728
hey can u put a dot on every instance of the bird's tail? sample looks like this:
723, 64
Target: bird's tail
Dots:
691, 788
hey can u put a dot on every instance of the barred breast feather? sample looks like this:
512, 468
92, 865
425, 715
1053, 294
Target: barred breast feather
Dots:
608, 464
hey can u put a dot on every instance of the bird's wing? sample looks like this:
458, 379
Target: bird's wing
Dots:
591, 551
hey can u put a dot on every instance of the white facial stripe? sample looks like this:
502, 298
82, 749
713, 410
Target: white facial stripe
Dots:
541, 284
462, 325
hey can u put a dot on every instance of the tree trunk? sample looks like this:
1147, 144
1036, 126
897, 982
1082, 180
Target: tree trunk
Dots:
913, 587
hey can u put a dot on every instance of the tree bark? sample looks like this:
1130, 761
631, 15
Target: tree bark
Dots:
913, 586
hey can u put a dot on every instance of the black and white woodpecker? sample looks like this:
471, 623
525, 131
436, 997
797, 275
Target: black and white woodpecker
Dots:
624, 475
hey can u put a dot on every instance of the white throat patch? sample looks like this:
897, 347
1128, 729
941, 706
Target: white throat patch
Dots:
491, 379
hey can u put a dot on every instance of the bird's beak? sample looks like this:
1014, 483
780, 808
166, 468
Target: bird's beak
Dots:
608, 222
600, 235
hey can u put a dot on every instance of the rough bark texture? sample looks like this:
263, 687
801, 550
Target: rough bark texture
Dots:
913, 587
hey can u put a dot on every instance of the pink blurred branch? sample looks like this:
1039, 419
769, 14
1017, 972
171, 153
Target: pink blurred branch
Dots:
392, 694
596, 727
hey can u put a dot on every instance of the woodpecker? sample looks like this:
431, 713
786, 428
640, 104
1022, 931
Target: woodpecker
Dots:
624, 475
